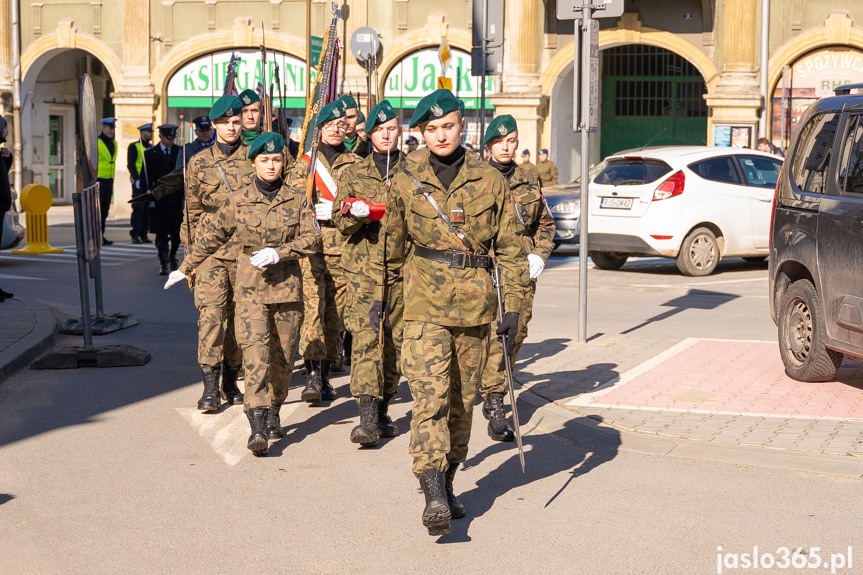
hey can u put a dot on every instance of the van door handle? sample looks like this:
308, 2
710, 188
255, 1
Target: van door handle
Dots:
764, 198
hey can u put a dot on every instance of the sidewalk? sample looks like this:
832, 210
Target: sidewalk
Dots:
64, 216
29, 329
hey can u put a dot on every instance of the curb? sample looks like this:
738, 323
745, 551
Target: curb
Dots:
553, 418
19, 355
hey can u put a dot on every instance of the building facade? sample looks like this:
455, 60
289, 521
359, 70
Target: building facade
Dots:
680, 71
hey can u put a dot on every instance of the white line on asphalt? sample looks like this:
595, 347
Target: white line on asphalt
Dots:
764, 279
11, 277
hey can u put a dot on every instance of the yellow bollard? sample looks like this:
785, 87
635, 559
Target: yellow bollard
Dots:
36, 199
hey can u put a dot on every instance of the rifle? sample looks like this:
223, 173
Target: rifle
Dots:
283, 128
383, 236
266, 92
190, 278
232, 74
496, 280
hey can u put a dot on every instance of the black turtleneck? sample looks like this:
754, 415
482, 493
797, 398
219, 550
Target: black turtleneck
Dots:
447, 168
269, 189
332, 152
381, 161
229, 149
506, 169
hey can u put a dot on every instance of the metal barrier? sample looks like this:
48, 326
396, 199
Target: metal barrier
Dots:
36, 200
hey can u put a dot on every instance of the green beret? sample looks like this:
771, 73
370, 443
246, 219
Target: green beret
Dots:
461, 106
249, 97
332, 111
499, 127
348, 101
225, 107
383, 112
267, 143
361, 118
438, 103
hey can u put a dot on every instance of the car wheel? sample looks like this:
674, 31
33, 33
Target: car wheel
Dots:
699, 253
608, 260
801, 336
755, 259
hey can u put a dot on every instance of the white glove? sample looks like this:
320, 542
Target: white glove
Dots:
176, 277
360, 209
535, 265
324, 210
264, 257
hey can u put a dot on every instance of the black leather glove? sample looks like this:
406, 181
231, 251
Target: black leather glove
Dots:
375, 316
508, 327
148, 197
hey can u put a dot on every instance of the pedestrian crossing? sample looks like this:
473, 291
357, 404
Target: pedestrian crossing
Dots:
115, 255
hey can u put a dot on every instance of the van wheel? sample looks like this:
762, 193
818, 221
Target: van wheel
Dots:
699, 253
801, 336
608, 260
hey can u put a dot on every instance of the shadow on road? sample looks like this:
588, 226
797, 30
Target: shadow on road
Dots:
6, 498
532, 352
668, 267
694, 299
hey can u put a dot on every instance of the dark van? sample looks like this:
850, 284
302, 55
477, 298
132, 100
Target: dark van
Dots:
816, 252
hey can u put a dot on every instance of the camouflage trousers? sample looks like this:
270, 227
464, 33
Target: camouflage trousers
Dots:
268, 337
335, 290
374, 370
494, 374
214, 298
443, 367
312, 345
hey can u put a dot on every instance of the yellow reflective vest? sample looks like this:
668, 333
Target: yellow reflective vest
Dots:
106, 161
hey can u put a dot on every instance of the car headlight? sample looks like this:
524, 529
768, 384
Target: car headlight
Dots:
566, 208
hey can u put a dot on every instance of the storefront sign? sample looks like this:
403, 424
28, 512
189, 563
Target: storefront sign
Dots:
417, 75
200, 82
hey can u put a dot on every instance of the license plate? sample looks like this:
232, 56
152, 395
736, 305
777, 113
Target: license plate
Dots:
616, 203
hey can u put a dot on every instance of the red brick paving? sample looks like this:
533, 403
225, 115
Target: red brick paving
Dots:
741, 378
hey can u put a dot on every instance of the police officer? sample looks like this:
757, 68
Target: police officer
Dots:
203, 140
140, 219
546, 169
375, 369
107, 148
252, 114
167, 213
326, 273
447, 212
272, 227
537, 239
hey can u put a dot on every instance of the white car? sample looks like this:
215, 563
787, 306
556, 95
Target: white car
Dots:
697, 204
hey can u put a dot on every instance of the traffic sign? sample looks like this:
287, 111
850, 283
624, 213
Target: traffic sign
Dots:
365, 45
444, 54
444, 83
590, 85
572, 9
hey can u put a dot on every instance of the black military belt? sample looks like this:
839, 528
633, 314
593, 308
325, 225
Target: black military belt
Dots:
454, 258
249, 250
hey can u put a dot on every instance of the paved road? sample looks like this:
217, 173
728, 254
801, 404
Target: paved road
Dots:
111, 471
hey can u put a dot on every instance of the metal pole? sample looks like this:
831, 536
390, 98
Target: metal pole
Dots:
308, 51
96, 274
585, 172
83, 288
482, 77
17, 136
765, 44
782, 139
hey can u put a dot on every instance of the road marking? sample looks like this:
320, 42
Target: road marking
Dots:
713, 283
11, 277
226, 431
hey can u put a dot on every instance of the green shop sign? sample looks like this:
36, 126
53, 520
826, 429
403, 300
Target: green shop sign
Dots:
200, 82
416, 76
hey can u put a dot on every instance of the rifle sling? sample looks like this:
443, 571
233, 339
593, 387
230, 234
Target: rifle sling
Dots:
225, 178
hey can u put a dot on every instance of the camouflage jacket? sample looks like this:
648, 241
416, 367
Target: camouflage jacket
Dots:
547, 172
532, 213
252, 222
435, 292
362, 180
334, 242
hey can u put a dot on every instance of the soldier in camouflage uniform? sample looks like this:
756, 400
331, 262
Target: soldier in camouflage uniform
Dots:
326, 273
353, 142
546, 170
375, 371
537, 238
251, 116
447, 212
271, 226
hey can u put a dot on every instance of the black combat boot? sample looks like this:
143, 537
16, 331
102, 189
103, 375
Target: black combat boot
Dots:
498, 428
211, 399
163, 263
327, 391
274, 424
456, 509
312, 392
367, 432
436, 514
258, 422
233, 395
385, 423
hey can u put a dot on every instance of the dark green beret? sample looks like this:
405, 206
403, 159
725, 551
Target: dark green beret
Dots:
332, 111
499, 127
438, 103
249, 97
361, 118
461, 106
348, 101
225, 107
383, 112
267, 143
